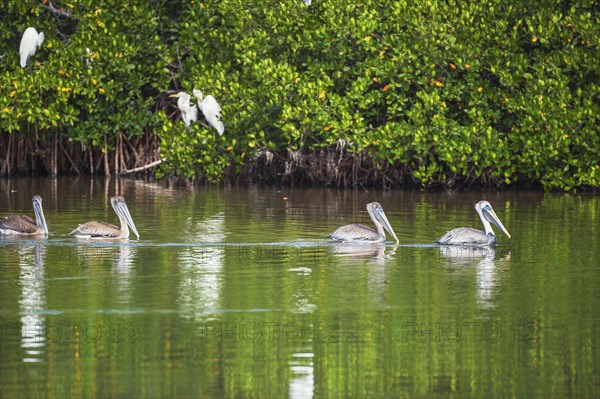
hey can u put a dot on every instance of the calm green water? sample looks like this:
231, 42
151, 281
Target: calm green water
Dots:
235, 292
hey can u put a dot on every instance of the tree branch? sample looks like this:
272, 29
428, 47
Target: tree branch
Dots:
57, 12
141, 168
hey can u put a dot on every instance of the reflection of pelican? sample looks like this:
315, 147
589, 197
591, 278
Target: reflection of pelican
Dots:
33, 302
359, 251
302, 383
24, 225
469, 236
363, 234
467, 255
103, 230
376, 254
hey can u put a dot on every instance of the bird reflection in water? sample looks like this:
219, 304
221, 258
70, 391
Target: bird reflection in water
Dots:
486, 260
33, 302
376, 253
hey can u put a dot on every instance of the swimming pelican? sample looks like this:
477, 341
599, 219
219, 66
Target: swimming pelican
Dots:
24, 225
469, 236
103, 230
358, 233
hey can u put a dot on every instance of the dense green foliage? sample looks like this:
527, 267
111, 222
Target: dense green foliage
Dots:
493, 91
83, 96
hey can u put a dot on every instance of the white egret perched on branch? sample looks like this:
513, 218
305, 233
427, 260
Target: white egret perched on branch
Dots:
189, 112
30, 41
211, 110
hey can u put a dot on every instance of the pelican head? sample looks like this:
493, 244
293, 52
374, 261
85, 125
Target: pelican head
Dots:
378, 216
39, 213
120, 207
487, 215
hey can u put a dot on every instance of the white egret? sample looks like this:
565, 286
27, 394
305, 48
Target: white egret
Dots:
211, 110
189, 112
30, 41
307, 2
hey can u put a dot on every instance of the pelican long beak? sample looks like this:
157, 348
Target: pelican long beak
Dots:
491, 216
124, 211
39, 215
386, 224
174, 95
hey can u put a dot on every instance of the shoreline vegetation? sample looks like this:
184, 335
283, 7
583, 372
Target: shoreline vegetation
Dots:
378, 94
327, 168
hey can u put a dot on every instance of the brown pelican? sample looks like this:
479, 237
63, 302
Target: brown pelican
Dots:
469, 236
357, 233
103, 230
24, 225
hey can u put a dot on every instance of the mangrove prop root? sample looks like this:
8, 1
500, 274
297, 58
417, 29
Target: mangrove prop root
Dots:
122, 155
27, 154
